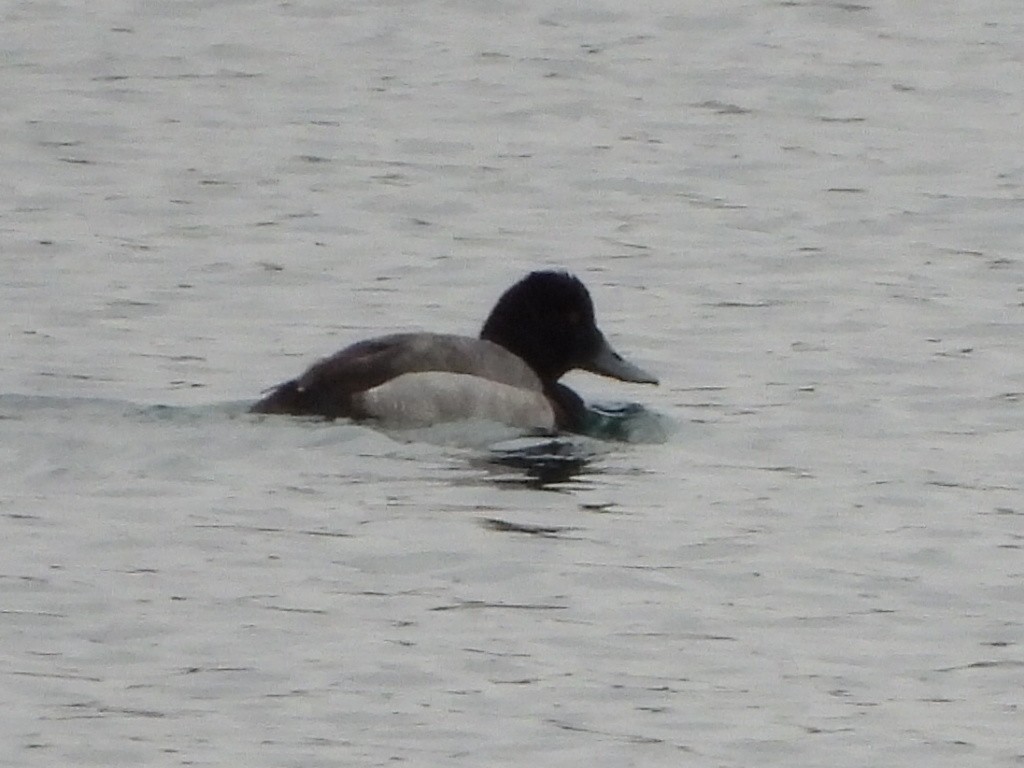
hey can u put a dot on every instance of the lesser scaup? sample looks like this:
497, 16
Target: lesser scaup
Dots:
541, 327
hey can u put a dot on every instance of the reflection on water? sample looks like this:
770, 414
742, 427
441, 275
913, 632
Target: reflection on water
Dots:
506, 526
538, 463
550, 463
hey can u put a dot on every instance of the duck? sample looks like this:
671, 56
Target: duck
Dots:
540, 329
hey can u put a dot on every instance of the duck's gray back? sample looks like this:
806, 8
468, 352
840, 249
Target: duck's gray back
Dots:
375, 361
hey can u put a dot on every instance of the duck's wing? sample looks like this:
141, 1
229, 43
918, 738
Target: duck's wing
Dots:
327, 386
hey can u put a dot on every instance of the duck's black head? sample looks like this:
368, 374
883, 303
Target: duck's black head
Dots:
547, 320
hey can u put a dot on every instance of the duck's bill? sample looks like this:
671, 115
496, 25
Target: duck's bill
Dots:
608, 362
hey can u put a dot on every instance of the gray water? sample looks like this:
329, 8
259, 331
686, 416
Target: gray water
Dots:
806, 217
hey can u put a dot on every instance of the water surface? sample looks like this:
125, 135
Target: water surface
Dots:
803, 216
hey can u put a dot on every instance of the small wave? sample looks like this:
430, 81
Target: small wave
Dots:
21, 407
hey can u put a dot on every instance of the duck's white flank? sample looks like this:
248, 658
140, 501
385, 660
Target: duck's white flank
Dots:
435, 397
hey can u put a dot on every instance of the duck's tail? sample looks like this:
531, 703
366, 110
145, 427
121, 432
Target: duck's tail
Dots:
285, 398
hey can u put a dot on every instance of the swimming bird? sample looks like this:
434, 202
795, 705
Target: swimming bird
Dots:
541, 328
